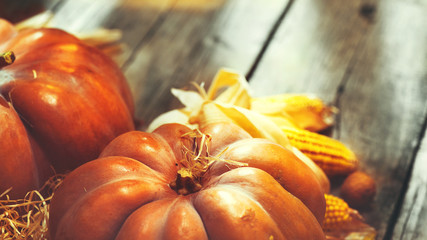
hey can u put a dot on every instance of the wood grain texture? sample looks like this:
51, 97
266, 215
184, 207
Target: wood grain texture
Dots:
192, 43
413, 215
366, 57
369, 60
171, 43
312, 49
133, 18
382, 103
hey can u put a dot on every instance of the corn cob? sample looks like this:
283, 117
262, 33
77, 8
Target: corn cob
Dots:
339, 215
332, 156
308, 112
343, 222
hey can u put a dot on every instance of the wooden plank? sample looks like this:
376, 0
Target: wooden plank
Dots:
383, 102
19, 10
171, 43
312, 49
195, 39
367, 59
413, 218
133, 18
370, 61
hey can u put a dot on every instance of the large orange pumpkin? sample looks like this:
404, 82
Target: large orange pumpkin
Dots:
170, 185
61, 103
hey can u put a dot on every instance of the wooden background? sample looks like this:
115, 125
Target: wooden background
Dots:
368, 58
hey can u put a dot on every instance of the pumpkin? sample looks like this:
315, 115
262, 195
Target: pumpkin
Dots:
178, 183
61, 103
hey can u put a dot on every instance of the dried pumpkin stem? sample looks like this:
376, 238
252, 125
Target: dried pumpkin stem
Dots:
185, 182
6, 59
196, 163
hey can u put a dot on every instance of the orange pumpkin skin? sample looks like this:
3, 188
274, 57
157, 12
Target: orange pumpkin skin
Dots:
16, 146
71, 98
126, 194
280, 163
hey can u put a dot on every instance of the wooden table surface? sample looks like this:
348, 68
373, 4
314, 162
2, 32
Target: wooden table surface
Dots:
368, 58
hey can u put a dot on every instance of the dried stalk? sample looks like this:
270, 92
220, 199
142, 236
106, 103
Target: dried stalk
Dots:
27, 218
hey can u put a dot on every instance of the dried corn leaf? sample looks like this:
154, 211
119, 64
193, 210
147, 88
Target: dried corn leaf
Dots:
230, 105
236, 91
306, 111
174, 116
255, 124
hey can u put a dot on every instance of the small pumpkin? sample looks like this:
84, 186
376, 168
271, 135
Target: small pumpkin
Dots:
61, 103
173, 183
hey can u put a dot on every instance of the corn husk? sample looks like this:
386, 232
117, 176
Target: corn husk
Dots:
230, 105
229, 100
304, 111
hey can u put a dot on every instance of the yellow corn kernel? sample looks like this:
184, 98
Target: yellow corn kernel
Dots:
332, 156
338, 214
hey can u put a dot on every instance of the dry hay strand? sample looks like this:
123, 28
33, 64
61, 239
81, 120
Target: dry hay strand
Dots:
27, 218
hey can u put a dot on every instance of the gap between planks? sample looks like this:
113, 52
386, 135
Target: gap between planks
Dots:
148, 36
268, 40
400, 201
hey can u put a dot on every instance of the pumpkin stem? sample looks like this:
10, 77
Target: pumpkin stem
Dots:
6, 59
194, 165
185, 182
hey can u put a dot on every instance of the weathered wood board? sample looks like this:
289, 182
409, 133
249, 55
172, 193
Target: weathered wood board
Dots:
372, 67
413, 214
368, 58
172, 43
